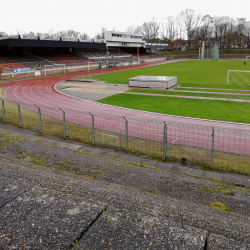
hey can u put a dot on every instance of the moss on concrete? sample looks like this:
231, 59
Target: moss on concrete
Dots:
6, 139
219, 204
35, 160
98, 172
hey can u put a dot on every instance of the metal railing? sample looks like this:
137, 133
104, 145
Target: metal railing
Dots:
209, 147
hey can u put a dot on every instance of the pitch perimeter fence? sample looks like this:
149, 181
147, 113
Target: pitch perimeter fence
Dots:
209, 147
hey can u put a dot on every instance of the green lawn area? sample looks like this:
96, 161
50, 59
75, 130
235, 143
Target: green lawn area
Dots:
209, 109
205, 74
214, 90
164, 92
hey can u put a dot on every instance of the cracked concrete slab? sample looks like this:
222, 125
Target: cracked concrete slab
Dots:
133, 229
11, 188
216, 242
45, 219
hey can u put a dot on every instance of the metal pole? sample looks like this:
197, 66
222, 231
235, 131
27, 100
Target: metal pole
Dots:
107, 56
228, 77
64, 124
212, 149
40, 118
19, 114
164, 142
93, 129
4, 118
138, 60
126, 133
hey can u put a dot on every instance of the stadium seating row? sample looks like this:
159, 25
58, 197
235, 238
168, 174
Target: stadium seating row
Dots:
73, 62
10, 67
91, 55
4, 59
22, 58
59, 57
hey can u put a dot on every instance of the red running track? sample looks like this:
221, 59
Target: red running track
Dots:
41, 92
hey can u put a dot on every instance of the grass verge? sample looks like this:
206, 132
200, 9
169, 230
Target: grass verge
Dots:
208, 109
214, 90
164, 92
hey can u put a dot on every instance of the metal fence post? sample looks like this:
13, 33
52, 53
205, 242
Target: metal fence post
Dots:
212, 149
4, 118
40, 118
93, 129
126, 133
164, 142
19, 114
64, 124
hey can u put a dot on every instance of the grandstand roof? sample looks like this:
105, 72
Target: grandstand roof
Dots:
19, 42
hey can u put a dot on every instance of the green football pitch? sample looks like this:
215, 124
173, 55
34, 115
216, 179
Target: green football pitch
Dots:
194, 74
205, 74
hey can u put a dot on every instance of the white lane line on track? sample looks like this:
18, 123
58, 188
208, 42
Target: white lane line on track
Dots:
175, 140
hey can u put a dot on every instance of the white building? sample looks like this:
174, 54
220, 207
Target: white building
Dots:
121, 39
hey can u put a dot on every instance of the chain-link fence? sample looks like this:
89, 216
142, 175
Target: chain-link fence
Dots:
208, 147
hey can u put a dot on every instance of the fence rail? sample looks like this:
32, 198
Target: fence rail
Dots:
209, 147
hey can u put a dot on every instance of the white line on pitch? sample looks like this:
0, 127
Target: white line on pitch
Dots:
175, 140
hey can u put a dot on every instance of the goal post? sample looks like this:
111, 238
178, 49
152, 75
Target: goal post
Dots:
53, 67
239, 79
248, 58
95, 63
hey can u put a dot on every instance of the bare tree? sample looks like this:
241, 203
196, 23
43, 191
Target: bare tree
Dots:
190, 21
220, 29
206, 28
179, 30
225, 25
247, 33
149, 30
3, 34
84, 36
133, 29
155, 27
216, 24
231, 32
170, 30
197, 35
99, 36
240, 27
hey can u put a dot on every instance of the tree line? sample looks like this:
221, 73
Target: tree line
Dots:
189, 25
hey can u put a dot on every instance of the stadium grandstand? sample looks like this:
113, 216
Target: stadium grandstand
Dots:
35, 53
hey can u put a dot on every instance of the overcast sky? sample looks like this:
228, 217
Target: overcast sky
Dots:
90, 16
